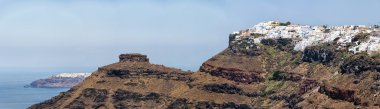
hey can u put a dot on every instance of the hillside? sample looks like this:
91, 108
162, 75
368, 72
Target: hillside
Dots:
271, 65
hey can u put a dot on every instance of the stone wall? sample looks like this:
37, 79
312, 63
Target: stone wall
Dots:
133, 57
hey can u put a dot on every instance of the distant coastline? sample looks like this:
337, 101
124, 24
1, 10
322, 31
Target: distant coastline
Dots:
62, 80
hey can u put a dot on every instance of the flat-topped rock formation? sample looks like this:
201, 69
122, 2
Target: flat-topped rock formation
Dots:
271, 65
133, 57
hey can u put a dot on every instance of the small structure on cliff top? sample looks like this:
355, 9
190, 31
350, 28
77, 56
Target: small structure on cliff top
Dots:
133, 57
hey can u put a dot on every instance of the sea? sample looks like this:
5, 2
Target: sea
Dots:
13, 94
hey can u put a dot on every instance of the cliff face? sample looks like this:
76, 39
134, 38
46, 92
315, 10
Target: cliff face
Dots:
299, 66
272, 65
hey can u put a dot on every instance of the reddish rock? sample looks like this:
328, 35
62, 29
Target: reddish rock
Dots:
232, 74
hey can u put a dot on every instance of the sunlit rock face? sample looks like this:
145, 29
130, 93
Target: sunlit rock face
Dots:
358, 38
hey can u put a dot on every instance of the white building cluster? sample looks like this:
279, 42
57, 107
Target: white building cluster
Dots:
72, 75
306, 35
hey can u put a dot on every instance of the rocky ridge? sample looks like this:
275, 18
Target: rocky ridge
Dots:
272, 65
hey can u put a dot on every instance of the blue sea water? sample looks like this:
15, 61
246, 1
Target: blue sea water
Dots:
13, 95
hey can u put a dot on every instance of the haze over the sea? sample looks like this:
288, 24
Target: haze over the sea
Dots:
81, 35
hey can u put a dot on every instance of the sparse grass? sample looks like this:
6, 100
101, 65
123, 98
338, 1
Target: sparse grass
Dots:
283, 61
266, 93
335, 77
375, 56
324, 82
273, 86
346, 55
286, 58
261, 99
260, 45
297, 58
270, 51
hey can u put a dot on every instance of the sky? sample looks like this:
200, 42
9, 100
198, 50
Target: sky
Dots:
82, 35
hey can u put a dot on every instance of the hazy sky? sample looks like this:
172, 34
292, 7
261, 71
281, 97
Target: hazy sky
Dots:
81, 35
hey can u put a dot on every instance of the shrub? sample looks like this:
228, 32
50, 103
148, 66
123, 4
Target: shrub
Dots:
326, 31
277, 75
285, 24
268, 42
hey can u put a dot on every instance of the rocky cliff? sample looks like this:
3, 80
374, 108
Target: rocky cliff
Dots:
271, 65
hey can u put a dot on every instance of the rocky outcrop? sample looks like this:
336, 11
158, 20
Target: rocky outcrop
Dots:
96, 95
232, 74
337, 93
222, 88
133, 57
244, 47
284, 44
322, 54
357, 64
145, 69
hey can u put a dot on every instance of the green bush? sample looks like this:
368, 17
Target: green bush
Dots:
277, 75
285, 24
